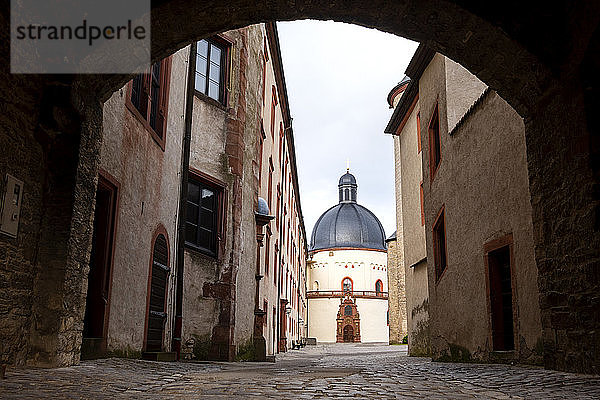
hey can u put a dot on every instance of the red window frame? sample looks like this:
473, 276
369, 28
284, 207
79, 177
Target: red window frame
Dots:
273, 107
421, 199
381, 283
221, 206
351, 284
270, 186
143, 112
419, 132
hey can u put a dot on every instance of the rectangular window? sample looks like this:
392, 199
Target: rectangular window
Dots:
273, 106
418, 132
275, 263
270, 187
203, 227
500, 296
265, 61
148, 99
265, 309
435, 150
267, 252
211, 68
439, 244
422, 211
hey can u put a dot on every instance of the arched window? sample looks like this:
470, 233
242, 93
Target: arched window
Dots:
348, 310
316, 285
378, 286
347, 285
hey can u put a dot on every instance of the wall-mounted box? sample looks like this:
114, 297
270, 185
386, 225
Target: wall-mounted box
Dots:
10, 206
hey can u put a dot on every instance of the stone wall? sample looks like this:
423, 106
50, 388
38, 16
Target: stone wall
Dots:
396, 294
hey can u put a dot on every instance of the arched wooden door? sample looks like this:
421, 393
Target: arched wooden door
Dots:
157, 315
348, 334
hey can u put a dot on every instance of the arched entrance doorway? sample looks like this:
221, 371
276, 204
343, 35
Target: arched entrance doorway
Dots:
59, 127
348, 334
348, 321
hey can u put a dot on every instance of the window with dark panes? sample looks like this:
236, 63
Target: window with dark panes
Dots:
202, 216
439, 244
211, 69
378, 286
347, 310
149, 97
347, 285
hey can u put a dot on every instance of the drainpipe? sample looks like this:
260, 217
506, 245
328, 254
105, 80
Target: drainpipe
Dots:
185, 165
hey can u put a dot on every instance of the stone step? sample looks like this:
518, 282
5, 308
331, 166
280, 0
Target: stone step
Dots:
159, 356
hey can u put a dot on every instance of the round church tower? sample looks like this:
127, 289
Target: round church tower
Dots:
347, 272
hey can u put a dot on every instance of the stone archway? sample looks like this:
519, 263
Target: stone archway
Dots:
543, 64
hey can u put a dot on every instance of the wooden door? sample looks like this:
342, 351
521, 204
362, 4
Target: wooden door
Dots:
99, 278
157, 315
501, 299
348, 334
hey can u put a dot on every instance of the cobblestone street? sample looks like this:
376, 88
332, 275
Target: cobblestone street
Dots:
323, 371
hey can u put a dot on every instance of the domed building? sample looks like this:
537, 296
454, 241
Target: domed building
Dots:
347, 272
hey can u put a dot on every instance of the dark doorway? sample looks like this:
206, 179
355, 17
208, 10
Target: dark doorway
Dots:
501, 299
95, 322
348, 334
157, 315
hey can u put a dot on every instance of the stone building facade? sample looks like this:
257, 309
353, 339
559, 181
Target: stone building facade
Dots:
410, 222
173, 264
136, 213
241, 150
477, 216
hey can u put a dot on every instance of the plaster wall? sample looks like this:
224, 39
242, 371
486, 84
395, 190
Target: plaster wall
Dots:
322, 322
373, 320
219, 291
409, 166
462, 89
482, 183
364, 267
149, 187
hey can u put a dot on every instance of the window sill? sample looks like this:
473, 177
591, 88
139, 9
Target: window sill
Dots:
201, 251
210, 100
160, 142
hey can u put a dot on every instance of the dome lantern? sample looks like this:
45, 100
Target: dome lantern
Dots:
347, 188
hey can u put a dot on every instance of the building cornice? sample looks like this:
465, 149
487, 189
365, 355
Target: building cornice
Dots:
275, 49
417, 65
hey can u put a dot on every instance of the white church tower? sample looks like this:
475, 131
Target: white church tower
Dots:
347, 273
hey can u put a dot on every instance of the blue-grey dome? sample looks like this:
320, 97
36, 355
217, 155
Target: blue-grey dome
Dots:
348, 225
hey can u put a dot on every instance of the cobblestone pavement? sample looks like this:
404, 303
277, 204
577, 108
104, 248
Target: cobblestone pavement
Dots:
317, 372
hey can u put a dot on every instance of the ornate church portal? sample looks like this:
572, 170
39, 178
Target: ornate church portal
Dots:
348, 321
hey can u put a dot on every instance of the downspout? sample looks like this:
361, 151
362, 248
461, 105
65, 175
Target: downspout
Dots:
185, 165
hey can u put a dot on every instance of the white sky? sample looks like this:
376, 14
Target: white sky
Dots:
338, 77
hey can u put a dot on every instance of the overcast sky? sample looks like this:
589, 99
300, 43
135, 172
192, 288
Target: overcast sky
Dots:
338, 77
